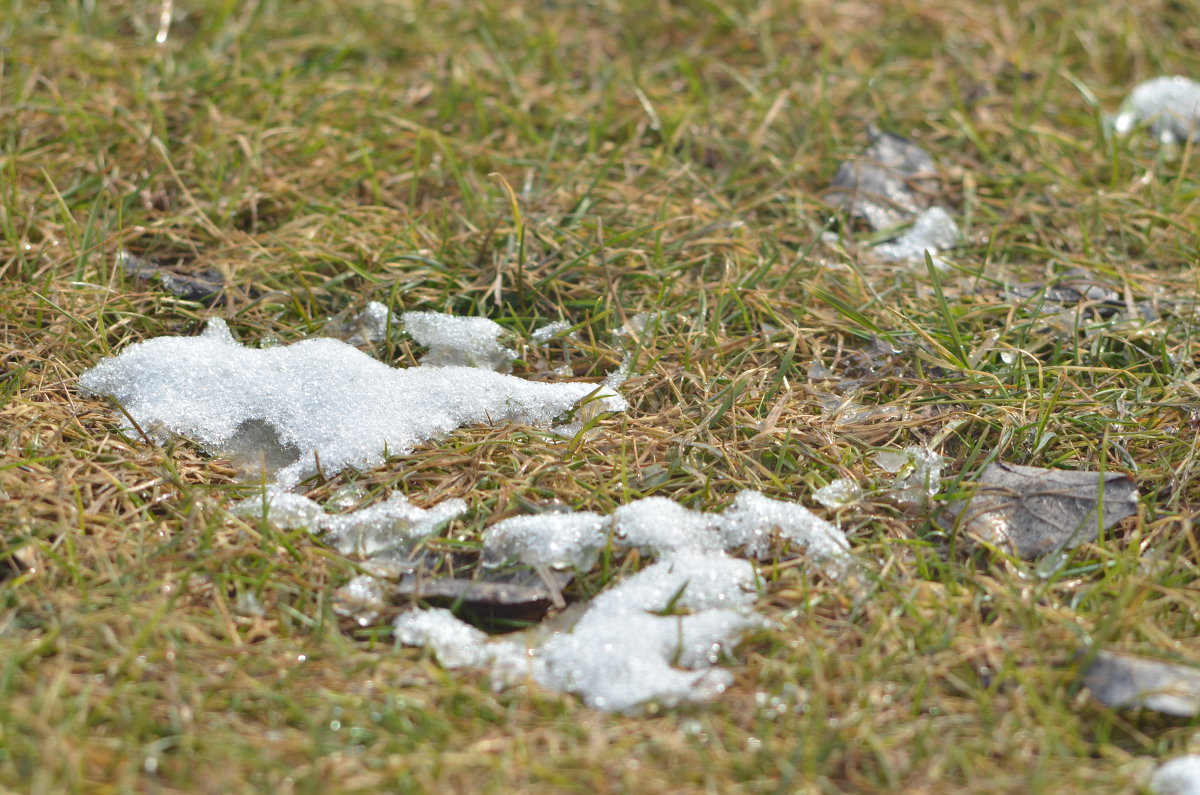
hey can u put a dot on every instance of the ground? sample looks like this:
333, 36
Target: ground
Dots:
592, 161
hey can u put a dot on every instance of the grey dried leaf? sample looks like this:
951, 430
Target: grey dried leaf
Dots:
202, 286
891, 183
523, 592
1036, 511
1124, 680
1070, 291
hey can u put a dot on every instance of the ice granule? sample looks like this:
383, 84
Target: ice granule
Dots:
549, 331
361, 599
1170, 104
1179, 776
393, 525
557, 540
933, 231
918, 472
838, 493
315, 398
459, 341
283, 509
371, 325
636, 325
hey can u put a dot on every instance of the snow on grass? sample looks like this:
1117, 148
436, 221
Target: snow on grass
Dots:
459, 341
656, 636
316, 399
1170, 105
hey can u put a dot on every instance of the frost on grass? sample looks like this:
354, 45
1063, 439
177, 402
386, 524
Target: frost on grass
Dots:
657, 635
459, 341
1180, 776
1170, 105
317, 399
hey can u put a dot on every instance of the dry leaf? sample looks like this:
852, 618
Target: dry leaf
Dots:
1036, 511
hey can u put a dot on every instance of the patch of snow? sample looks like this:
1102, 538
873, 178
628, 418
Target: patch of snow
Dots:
755, 519
658, 634
1180, 776
1171, 105
459, 341
391, 526
316, 398
662, 526
934, 231
889, 184
557, 540
549, 331
284, 509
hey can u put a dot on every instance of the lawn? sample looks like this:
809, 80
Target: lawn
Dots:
662, 168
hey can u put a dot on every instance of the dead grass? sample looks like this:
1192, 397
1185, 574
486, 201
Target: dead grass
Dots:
667, 159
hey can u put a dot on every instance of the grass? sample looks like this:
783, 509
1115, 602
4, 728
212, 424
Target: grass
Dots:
590, 162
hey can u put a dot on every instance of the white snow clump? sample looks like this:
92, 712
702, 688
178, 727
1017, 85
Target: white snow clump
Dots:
459, 341
316, 398
658, 634
934, 231
391, 526
559, 541
1170, 104
1180, 776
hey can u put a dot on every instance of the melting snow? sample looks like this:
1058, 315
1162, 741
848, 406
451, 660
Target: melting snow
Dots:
934, 231
317, 398
1180, 776
383, 529
560, 541
839, 493
656, 635
1170, 104
918, 472
549, 331
459, 341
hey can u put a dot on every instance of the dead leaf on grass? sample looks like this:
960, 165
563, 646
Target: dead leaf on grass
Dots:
190, 284
1124, 680
1036, 511
522, 592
